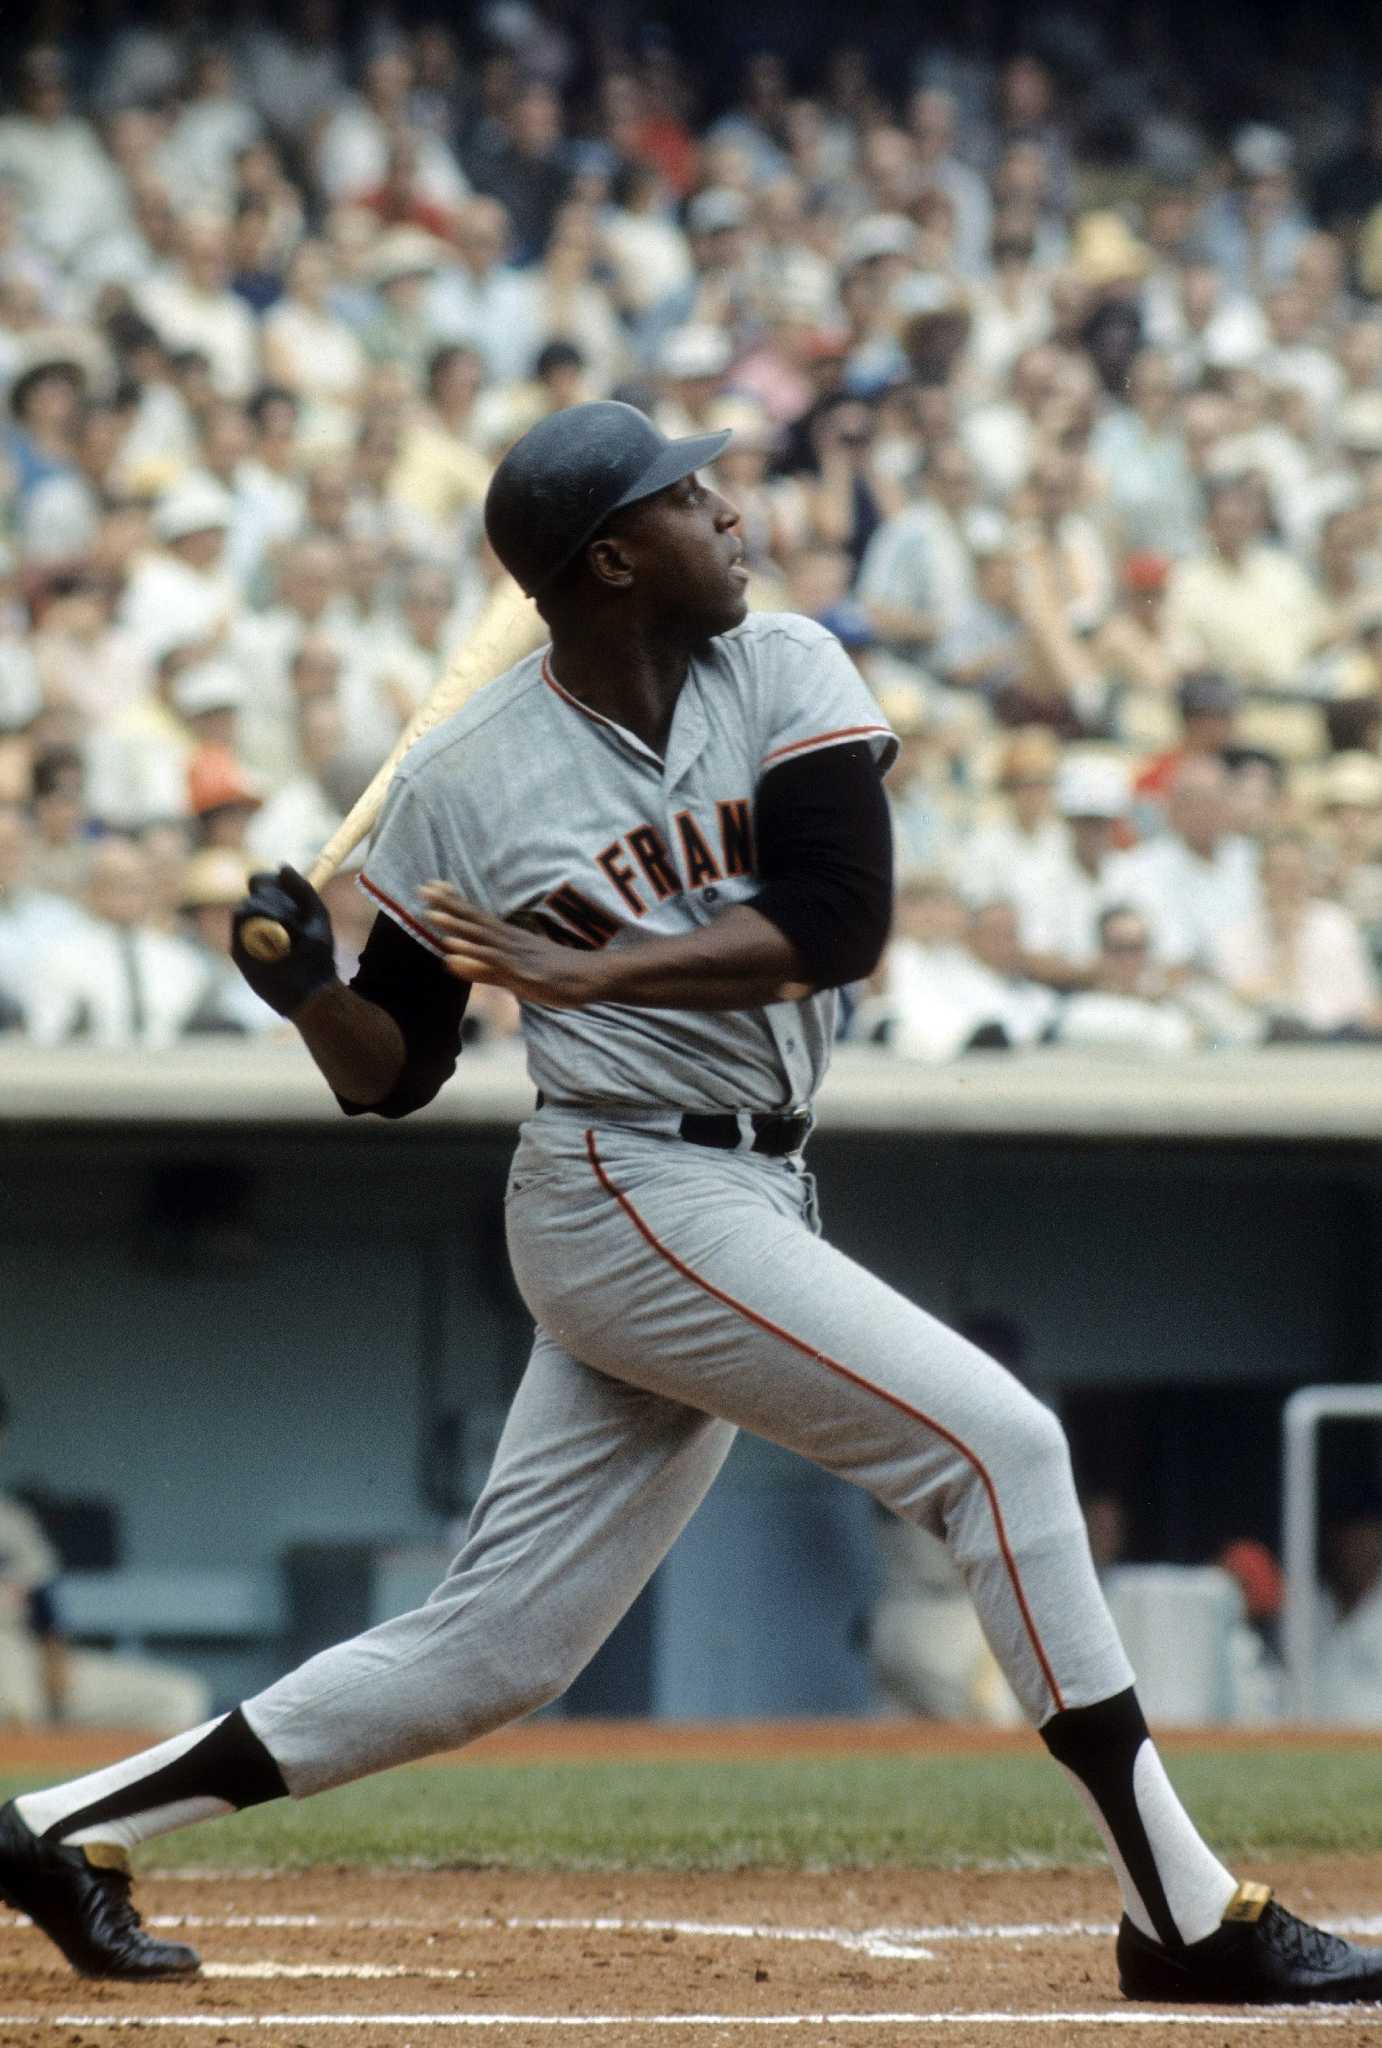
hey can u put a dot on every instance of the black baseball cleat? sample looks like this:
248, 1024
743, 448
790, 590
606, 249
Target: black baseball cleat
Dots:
1260, 1955
80, 1898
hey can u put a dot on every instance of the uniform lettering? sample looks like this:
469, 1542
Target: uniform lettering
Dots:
649, 849
548, 928
736, 835
701, 864
595, 925
621, 874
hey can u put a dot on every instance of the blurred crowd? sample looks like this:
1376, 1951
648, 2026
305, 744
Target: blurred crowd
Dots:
1059, 400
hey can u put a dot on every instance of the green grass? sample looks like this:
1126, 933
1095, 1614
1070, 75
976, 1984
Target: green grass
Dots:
851, 1813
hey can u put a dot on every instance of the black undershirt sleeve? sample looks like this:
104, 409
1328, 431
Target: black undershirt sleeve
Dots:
825, 857
425, 1002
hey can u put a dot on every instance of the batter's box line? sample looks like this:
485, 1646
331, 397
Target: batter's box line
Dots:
634, 2023
883, 1944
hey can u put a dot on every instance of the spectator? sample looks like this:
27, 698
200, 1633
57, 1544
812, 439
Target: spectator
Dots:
221, 797
917, 577
1245, 605
987, 648
68, 196
1009, 1008
119, 983
1062, 906
31, 920
1348, 1658
1133, 648
933, 122
1298, 960
1138, 454
57, 860
1196, 880
183, 592
311, 352
212, 126
1254, 229
137, 759
1015, 854
1128, 1005
212, 883
353, 150
525, 169
45, 405
716, 294
440, 477
642, 244
399, 330
1208, 704
42, 1677
301, 815
84, 660
1351, 802
481, 300
924, 1008
193, 307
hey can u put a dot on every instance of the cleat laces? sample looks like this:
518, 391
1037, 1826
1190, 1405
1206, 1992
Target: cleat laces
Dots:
1296, 1941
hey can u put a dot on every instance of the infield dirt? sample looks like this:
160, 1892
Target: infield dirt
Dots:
402, 1958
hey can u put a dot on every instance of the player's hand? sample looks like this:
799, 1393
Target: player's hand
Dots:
482, 948
310, 962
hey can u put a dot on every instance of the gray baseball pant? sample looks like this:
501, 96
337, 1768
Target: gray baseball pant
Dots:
681, 1293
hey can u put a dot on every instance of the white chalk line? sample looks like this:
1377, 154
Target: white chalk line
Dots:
906, 1944
880, 1943
885, 1944
1299, 2016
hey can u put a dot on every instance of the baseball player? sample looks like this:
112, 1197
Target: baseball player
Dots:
666, 834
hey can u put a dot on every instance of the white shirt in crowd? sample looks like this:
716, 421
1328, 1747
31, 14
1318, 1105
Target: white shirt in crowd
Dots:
1188, 901
1332, 982
32, 922
71, 195
999, 862
117, 986
353, 158
294, 825
939, 996
168, 603
1348, 1664
218, 323
1059, 906
920, 561
498, 314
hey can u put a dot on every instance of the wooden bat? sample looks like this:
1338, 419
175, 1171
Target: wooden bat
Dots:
507, 629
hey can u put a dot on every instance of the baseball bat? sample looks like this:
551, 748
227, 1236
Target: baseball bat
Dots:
508, 628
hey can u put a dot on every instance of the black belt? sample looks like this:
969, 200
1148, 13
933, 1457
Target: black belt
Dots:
774, 1136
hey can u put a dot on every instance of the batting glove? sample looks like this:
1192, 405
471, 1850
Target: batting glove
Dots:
310, 962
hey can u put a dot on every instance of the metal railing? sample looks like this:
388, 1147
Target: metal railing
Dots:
1300, 1427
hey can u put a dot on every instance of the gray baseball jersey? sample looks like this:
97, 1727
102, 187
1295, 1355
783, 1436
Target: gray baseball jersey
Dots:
537, 808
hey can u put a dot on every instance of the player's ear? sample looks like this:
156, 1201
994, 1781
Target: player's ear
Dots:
610, 561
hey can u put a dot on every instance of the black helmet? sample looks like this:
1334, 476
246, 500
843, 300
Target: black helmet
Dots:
557, 486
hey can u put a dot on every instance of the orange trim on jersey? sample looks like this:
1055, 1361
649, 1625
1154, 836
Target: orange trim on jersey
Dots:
595, 717
819, 739
855, 1379
429, 938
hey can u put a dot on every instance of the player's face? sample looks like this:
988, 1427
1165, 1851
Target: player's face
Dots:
688, 557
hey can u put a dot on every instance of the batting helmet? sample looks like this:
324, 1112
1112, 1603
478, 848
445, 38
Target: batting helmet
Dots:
557, 486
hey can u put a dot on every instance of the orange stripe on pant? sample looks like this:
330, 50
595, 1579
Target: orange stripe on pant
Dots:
773, 1329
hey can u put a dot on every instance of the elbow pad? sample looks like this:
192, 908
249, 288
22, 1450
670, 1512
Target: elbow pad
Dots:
825, 858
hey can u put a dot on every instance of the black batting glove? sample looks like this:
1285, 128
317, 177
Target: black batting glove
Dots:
310, 962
